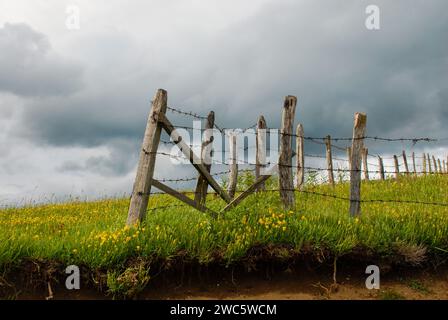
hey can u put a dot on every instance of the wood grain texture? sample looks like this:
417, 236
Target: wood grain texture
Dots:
286, 182
145, 170
359, 130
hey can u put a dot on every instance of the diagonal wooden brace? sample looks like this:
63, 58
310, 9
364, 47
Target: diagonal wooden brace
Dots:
194, 160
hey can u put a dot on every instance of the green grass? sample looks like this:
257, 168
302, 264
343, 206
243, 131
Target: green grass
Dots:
93, 234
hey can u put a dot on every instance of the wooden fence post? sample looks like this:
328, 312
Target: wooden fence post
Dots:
286, 182
365, 153
300, 156
444, 166
359, 130
146, 164
233, 176
397, 167
381, 166
261, 150
329, 160
424, 164
440, 165
206, 156
405, 161
429, 164
435, 164
413, 163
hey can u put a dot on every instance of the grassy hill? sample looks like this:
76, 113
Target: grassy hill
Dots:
93, 235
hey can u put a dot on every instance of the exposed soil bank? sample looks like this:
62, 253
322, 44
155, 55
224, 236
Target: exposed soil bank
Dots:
268, 280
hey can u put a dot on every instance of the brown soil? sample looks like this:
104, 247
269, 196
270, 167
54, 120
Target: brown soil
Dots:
302, 283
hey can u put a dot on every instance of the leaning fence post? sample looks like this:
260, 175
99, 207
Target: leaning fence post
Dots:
146, 164
440, 165
285, 159
405, 161
429, 164
397, 167
413, 163
359, 129
365, 153
381, 166
300, 156
424, 164
233, 175
329, 160
260, 157
435, 164
206, 156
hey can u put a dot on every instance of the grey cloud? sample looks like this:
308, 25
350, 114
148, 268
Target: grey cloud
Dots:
317, 50
30, 67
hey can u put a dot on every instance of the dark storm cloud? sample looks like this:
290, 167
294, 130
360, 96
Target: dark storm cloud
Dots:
29, 67
317, 50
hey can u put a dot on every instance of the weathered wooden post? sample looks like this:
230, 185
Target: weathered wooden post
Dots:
424, 164
413, 163
429, 164
300, 156
206, 157
365, 153
444, 166
381, 166
397, 167
285, 158
405, 161
435, 164
359, 130
146, 164
329, 160
440, 165
233, 175
260, 157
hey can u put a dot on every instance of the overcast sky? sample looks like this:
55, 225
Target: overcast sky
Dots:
74, 103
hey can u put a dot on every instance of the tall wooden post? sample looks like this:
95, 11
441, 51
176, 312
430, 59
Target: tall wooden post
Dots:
424, 164
233, 176
440, 165
359, 130
285, 158
397, 167
365, 153
381, 166
405, 161
429, 164
147, 161
300, 156
260, 158
329, 160
413, 163
206, 157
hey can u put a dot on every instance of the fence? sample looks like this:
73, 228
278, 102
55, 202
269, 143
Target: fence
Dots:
358, 162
